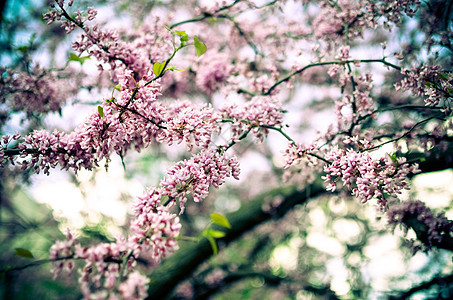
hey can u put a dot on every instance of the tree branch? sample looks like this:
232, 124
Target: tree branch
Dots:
180, 265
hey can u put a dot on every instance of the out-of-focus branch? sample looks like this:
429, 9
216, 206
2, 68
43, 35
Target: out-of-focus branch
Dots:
234, 277
273, 204
447, 280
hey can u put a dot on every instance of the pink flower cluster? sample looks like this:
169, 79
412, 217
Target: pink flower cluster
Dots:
62, 253
352, 106
392, 11
428, 81
363, 101
134, 287
57, 14
191, 123
213, 71
254, 115
296, 152
343, 53
434, 228
103, 266
366, 177
196, 175
155, 229
331, 22
109, 267
355, 16
37, 91
104, 45
98, 137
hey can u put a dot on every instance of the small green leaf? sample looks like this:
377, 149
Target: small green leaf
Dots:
117, 87
443, 76
216, 234
422, 159
182, 35
214, 247
174, 69
101, 111
81, 59
427, 83
220, 220
158, 68
23, 253
23, 49
200, 47
393, 157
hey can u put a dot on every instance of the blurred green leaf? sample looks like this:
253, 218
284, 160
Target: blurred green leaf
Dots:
182, 35
443, 76
200, 47
80, 59
101, 111
214, 247
216, 234
23, 253
220, 220
174, 69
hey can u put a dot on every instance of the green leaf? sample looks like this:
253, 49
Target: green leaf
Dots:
158, 68
216, 234
214, 247
220, 220
23, 49
443, 76
182, 35
81, 59
101, 111
117, 87
174, 69
393, 157
427, 83
200, 47
23, 253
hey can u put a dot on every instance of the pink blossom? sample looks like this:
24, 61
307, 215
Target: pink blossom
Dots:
437, 226
37, 91
155, 229
205, 169
365, 177
134, 287
254, 115
295, 152
191, 123
213, 71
